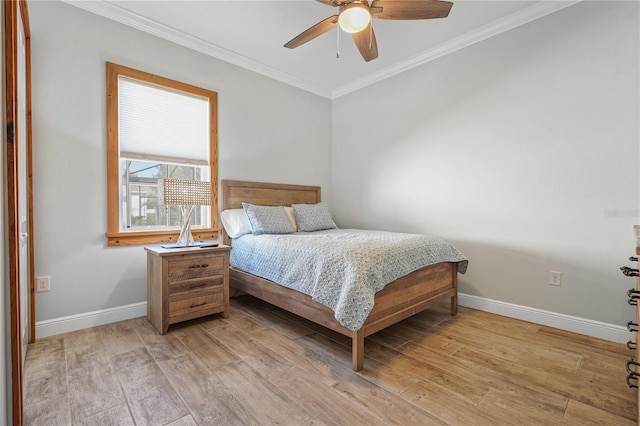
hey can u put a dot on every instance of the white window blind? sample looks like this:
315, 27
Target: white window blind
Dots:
161, 124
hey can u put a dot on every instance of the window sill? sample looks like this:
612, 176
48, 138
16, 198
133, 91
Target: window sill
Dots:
151, 237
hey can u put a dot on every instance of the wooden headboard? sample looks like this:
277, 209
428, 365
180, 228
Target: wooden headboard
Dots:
234, 192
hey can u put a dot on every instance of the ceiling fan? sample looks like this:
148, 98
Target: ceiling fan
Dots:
355, 18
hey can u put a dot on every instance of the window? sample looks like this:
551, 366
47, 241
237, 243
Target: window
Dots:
156, 128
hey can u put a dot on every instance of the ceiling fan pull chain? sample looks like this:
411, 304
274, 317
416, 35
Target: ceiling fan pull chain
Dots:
338, 43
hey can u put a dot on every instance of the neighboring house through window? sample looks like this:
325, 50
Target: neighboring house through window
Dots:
157, 128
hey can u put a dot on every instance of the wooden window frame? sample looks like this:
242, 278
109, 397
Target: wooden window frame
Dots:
115, 236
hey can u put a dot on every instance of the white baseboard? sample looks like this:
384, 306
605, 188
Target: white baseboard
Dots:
601, 330
90, 319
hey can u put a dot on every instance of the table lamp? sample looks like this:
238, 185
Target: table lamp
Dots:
187, 194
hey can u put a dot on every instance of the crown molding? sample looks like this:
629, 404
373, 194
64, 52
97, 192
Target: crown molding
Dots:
118, 14
499, 26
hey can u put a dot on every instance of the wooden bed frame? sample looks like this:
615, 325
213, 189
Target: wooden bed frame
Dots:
400, 299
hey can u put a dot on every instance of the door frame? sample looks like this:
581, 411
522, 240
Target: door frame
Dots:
14, 10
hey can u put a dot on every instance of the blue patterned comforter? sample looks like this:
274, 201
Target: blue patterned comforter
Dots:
340, 268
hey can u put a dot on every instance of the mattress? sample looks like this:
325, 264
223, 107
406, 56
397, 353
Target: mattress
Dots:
341, 268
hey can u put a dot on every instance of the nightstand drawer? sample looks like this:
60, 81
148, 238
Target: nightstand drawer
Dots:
190, 267
199, 285
187, 306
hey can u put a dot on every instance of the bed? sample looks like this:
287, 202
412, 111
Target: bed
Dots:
398, 300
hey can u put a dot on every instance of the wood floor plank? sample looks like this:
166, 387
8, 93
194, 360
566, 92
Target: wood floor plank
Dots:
422, 336
485, 320
85, 337
200, 343
46, 383
261, 358
481, 339
464, 384
267, 317
184, 421
387, 338
115, 416
206, 396
550, 359
45, 351
290, 324
595, 391
330, 348
239, 319
302, 356
387, 406
324, 403
482, 369
260, 397
161, 347
150, 396
524, 407
93, 386
578, 413
47, 412
445, 405
46, 376
580, 339
120, 337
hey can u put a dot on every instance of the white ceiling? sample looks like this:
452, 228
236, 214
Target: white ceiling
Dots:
251, 34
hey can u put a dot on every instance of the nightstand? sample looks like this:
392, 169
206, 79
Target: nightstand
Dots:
186, 283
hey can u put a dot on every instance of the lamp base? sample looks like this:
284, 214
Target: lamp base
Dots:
186, 239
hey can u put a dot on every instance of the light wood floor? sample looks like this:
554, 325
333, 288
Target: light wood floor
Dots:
264, 366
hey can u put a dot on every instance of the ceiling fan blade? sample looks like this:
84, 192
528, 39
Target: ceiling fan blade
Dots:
410, 9
313, 32
330, 3
366, 42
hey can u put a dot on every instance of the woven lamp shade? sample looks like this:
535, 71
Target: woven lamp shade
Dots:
184, 192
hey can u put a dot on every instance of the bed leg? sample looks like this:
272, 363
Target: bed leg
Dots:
357, 350
454, 305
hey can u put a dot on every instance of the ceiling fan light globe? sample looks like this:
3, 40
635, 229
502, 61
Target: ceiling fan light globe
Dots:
354, 19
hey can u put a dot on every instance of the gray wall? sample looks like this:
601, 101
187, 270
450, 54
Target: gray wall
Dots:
522, 150
268, 131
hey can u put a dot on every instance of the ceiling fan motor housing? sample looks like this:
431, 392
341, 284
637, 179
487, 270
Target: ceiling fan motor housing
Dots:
354, 17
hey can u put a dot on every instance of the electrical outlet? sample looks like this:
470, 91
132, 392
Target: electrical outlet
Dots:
555, 278
43, 284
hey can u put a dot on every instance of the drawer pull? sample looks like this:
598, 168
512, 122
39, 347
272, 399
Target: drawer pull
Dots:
632, 326
198, 304
631, 345
628, 364
629, 272
204, 265
629, 378
633, 293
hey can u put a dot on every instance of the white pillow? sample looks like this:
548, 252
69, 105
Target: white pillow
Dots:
235, 222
